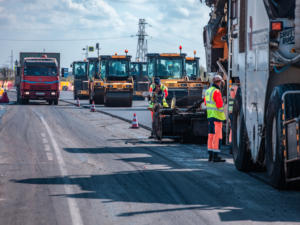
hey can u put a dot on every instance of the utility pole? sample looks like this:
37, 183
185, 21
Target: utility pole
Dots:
11, 63
142, 45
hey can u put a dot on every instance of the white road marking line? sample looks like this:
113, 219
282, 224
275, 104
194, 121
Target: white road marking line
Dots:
45, 141
47, 148
49, 156
73, 207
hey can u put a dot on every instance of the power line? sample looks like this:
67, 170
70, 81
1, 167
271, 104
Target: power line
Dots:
62, 40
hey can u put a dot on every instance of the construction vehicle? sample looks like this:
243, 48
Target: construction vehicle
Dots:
263, 58
96, 83
142, 82
192, 68
81, 79
118, 82
170, 68
37, 77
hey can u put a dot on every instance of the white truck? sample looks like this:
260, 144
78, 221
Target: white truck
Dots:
263, 40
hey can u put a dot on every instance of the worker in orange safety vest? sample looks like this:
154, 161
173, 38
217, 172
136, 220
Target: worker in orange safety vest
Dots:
215, 115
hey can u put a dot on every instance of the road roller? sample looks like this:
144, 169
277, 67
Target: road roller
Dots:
118, 81
141, 80
170, 68
96, 84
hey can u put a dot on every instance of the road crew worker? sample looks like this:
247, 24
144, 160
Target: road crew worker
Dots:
161, 90
215, 115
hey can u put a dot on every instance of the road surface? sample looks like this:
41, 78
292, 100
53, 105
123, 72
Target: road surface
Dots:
65, 165
138, 107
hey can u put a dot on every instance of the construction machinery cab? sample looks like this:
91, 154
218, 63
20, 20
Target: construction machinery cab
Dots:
80, 73
192, 67
142, 82
116, 67
171, 69
166, 65
93, 68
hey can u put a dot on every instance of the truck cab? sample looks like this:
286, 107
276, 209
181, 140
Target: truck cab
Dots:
81, 80
118, 81
171, 69
38, 80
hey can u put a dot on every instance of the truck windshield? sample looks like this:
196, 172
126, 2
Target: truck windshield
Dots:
118, 68
103, 68
80, 69
144, 69
191, 68
135, 69
169, 68
40, 69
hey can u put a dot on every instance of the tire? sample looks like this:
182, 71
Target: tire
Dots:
50, 102
240, 149
55, 102
274, 158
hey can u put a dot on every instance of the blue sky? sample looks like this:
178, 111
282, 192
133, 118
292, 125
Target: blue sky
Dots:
109, 22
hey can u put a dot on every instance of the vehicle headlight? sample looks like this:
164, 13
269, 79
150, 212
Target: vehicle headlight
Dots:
53, 93
26, 93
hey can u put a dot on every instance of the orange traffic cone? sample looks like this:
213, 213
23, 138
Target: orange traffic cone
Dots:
135, 123
78, 102
93, 108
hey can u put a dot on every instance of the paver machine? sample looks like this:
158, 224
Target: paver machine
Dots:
81, 79
170, 68
141, 80
261, 54
96, 82
118, 82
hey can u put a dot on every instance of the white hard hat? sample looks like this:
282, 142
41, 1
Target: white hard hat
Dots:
217, 78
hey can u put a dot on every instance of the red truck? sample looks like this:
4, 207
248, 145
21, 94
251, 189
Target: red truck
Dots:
37, 77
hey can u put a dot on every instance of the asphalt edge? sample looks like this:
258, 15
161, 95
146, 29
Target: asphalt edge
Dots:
108, 114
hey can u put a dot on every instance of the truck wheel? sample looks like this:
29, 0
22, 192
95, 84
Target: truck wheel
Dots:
240, 150
274, 138
50, 102
55, 102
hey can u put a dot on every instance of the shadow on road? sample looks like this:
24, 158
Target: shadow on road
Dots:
182, 188
190, 185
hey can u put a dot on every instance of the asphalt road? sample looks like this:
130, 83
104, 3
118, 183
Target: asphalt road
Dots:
65, 165
138, 107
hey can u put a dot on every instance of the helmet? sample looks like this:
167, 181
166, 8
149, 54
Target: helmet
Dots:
157, 80
217, 78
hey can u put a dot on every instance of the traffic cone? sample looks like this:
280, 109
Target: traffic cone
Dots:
78, 102
135, 123
93, 108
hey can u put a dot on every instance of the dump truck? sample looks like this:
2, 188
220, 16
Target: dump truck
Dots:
118, 82
96, 83
192, 67
142, 82
260, 54
37, 77
170, 68
81, 79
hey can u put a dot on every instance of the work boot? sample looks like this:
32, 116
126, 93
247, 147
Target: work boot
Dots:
217, 158
151, 136
210, 157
